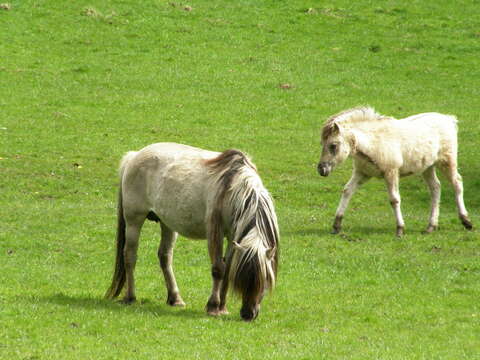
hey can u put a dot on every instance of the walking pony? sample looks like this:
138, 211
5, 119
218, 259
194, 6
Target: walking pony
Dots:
385, 147
199, 194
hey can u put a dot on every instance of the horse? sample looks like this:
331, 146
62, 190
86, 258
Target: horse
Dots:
199, 194
384, 147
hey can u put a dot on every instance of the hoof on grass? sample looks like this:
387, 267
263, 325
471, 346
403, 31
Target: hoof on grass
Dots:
400, 231
176, 302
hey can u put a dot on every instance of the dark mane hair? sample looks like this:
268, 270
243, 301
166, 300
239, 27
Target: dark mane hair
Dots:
254, 226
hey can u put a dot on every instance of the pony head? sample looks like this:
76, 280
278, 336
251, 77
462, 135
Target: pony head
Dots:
335, 148
254, 258
255, 276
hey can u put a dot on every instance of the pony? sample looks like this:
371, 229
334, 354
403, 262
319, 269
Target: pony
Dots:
387, 148
198, 194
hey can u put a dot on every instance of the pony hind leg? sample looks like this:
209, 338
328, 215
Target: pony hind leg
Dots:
434, 186
351, 186
165, 257
392, 180
132, 235
449, 169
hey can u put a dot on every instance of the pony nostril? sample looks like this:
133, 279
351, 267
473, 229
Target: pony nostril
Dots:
322, 169
248, 314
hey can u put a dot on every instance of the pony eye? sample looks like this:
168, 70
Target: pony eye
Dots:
332, 148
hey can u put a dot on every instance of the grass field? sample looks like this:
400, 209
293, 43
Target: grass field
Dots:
83, 82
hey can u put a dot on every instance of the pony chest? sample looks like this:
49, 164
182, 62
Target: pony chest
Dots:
367, 165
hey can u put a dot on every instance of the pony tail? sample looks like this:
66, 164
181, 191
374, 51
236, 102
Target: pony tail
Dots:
119, 275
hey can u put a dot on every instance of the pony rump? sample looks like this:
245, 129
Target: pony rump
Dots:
254, 229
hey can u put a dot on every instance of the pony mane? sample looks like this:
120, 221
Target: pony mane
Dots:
254, 227
350, 116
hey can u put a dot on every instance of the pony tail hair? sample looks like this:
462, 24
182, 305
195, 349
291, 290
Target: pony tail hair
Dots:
119, 275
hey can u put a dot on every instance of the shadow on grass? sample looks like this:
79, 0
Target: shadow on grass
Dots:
356, 233
361, 230
142, 306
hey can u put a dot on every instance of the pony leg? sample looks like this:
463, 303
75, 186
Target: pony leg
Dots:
392, 181
132, 234
433, 183
450, 171
224, 287
215, 250
351, 186
165, 257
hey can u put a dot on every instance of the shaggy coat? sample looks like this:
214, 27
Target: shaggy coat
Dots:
199, 194
388, 148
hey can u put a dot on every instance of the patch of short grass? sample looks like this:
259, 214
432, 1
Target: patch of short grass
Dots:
81, 83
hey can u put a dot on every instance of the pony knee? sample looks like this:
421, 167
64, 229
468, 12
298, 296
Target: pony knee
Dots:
218, 271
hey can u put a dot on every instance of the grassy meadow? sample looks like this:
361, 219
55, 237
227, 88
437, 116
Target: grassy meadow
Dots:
82, 82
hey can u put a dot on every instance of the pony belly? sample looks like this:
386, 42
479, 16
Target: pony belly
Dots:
418, 165
192, 232
186, 222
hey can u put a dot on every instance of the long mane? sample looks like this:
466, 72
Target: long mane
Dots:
254, 227
350, 117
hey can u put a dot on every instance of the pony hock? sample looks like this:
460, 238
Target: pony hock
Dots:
199, 194
388, 148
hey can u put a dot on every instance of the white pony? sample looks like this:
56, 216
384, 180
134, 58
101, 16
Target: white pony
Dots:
385, 147
199, 194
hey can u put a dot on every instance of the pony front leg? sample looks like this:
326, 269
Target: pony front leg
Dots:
215, 250
352, 185
224, 287
392, 179
435, 190
165, 256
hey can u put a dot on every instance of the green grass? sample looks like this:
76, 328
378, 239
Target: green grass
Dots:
83, 82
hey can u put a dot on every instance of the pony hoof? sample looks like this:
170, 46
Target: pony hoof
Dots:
128, 300
335, 231
400, 231
215, 309
214, 312
466, 223
217, 312
430, 229
223, 311
177, 303
175, 300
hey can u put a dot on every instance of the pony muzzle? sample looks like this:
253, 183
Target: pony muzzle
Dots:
249, 313
324, 168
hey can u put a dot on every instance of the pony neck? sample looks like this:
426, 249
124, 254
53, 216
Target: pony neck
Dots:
358, 141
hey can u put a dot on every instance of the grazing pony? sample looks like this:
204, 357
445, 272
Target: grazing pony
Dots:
199, 194
382, 146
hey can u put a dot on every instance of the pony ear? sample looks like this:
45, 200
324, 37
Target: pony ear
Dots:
271, 253
336, 129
